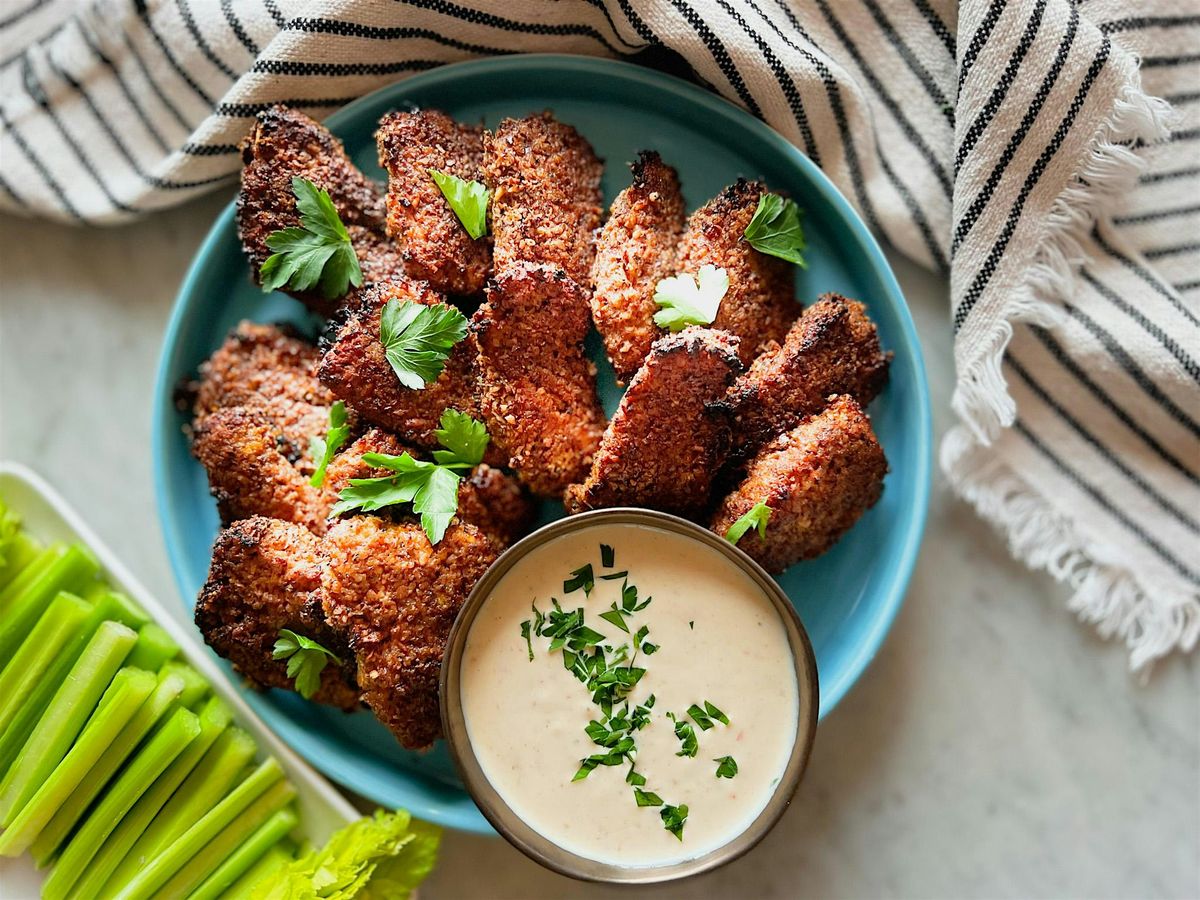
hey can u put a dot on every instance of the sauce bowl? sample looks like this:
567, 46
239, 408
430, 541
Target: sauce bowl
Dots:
541, 848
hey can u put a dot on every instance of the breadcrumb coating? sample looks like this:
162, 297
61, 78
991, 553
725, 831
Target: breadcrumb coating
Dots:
392, 597
437, 248
666, 441
265, 575
635, 250
546, 200
284, 144
759, 305
818, 479
536, 385
832, 349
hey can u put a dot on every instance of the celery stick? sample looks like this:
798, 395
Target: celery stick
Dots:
73, 569
57, 626
64, 716
271, 862
200, 792
167, 743
164, 865
195, 686
248, 855
22, 549
34, 570
160, 701
214, 719
154, 647
110, 607
128, 691
236, 847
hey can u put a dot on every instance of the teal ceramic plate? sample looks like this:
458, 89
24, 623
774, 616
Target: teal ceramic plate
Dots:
847, 598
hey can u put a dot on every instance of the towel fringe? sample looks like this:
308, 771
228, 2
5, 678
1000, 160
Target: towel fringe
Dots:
1106, 595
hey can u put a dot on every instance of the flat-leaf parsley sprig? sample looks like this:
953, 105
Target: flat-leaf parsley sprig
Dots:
418, 338
686, 300
323, 449
318, 253
468, 200
756, 517
775, 229
306, 659
431, 487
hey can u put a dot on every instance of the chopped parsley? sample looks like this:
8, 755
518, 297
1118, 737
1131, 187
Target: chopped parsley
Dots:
417, 339
468, 199
318, 253
704, 717
323, 449
686, 300
756, 517
686, 734
726, 766
305, 660
580, 578
775, 229
674, 818
608, 556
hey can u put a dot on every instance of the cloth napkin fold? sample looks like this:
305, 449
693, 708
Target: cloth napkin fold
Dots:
1046, 155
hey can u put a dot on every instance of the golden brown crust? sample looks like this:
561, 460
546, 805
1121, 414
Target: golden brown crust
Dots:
546, 200
437, 248
666, 441
269, 369
284, 144
392, 597
635, 250
264, 576
832, 349
818, 479
536, 386
496, 504
355, 369
759, 305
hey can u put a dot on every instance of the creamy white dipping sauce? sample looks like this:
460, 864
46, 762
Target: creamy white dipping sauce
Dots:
720, 640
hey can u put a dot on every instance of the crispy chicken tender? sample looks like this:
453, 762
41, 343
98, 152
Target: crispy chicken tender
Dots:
355, 369
536, 386
666, 441
759, 305
546, 201
267, 368
392, 597
635, 250
284, 144
832, 349
437, 248
266, 575
818, 479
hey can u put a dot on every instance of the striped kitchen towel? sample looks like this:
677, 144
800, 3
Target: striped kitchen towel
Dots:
1045, 154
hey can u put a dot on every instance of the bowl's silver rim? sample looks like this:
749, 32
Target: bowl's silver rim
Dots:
541, 849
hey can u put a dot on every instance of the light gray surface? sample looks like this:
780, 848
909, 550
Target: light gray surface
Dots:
996, 748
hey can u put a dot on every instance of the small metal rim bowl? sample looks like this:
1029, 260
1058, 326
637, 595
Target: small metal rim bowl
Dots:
540, 848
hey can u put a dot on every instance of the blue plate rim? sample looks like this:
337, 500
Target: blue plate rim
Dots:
164, 389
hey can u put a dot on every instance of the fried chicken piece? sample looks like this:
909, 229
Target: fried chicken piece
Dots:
546, 201
818, 479
635, 250
266, 575
271, 369
437, 248
392, 597
282, 145
832, 349
536, 386
666, 441
355, 369
759, 305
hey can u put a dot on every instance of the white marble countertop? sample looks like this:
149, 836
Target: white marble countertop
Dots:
995, 748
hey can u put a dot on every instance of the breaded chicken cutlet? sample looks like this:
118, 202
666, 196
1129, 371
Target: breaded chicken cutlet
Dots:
436, 246
355, 369
546, 200
284, 144
832, 349
666, 441
635, 250
536, 385
265, 575
818, 479
392, 597
759, 305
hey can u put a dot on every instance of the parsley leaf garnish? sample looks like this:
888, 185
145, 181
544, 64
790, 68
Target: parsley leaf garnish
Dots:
306, 658
726, 766
757, 517
317, 253
607, 556
690, 301
323, 449
775, 229
468, 199
580, 578
674, 818
431, 487
417, 339
686, 734
646, 798
704, 717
